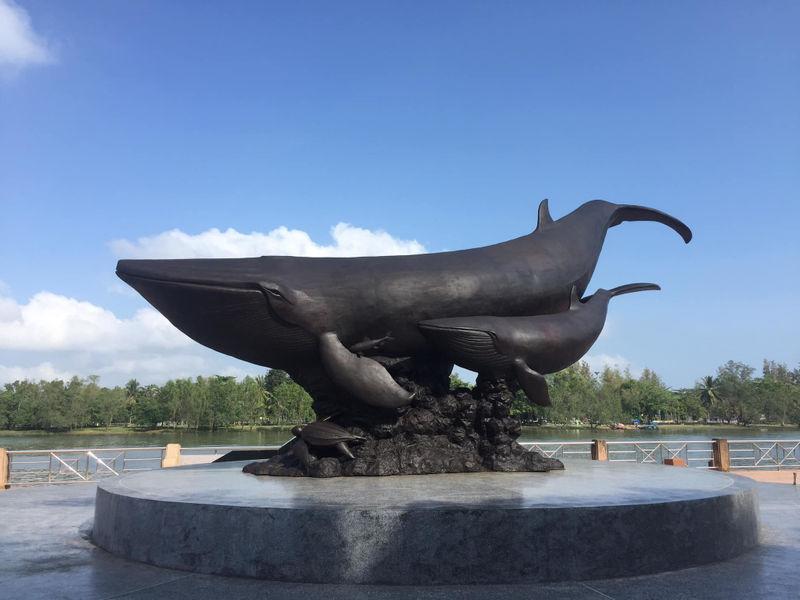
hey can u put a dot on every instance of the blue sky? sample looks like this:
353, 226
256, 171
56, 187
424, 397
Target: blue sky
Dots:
443, 123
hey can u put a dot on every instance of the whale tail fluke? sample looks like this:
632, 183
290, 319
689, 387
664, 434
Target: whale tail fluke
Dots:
632, 287
632, 212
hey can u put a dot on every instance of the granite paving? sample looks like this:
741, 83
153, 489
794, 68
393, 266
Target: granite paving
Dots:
44, 553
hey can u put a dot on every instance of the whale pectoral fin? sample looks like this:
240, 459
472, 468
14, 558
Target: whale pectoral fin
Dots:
368, 345
533, 384
467, 342
365, 378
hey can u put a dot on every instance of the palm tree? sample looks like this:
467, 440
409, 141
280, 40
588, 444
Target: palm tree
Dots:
274, 408
132, 388
709, 393
132, 391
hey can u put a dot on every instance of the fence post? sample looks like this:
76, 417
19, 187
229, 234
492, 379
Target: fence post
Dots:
5, 469
172, 456
599, 450
722, 457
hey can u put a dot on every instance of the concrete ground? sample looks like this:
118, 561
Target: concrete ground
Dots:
44, 554
790, 476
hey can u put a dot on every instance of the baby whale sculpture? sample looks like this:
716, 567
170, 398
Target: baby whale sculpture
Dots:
365, 378
374, 339
527, 347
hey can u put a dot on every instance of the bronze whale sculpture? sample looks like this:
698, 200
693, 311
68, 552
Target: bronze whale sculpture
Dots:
326, 320
527, 348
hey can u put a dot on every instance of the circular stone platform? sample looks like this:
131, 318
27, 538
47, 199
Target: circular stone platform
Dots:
593, 520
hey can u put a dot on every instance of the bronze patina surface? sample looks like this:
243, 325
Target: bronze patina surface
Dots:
374, 339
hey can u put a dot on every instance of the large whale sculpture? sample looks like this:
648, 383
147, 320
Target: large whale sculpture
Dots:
321, 319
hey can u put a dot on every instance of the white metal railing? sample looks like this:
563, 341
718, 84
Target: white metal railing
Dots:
220, 450
565, 450
80, 465
764, 454
695, 453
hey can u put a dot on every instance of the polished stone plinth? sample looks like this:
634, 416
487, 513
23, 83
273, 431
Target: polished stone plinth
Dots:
594, 520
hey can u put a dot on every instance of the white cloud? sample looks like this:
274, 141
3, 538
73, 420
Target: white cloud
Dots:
347, 241
121, 289
54, 336
43, 371
597, 362
51, 322
20, 46
154, 366
9, 310
608, 328
116, 368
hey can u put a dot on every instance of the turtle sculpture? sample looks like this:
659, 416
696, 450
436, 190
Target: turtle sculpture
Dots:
321, 434
373, 340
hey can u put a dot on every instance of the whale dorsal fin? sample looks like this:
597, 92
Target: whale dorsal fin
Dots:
544, 215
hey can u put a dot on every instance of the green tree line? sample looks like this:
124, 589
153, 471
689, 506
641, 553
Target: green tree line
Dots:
202, 403
735, 394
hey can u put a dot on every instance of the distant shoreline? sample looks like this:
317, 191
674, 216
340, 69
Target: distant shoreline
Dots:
674, 426
124, 430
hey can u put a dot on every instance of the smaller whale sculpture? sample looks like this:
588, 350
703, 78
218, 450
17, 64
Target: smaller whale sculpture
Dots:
321, 433
526, 348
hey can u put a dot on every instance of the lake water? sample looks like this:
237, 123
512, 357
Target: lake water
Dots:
276, 436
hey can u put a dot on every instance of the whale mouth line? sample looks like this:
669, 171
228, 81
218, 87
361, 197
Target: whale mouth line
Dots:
200, 283
190, 282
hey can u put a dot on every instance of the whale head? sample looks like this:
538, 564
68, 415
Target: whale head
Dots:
229, 305
603, 295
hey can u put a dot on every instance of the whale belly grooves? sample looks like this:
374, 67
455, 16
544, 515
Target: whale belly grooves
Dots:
472, 349
234, 320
